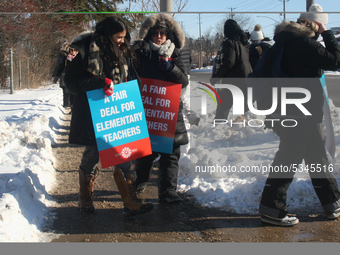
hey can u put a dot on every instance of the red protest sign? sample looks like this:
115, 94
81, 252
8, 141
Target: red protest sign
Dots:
161, 101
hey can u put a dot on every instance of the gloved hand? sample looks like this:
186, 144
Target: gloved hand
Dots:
163, 64
108, 89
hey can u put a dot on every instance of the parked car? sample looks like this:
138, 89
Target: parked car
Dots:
193, 66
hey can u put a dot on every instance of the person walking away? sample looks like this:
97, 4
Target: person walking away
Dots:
258, 45
104, 60
162, 38
59, 73
303, 57
232, 61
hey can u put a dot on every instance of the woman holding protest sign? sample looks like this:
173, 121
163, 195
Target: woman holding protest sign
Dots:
104, 60
159, 57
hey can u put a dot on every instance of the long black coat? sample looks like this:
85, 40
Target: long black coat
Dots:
78, 80
148, 68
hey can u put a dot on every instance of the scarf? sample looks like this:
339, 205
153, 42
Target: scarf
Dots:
219, 57
96, 65
166, 49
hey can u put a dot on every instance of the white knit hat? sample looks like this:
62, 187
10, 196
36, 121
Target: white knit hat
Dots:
315, 14
257, 34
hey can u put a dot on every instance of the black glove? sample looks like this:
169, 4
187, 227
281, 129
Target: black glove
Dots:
164, 65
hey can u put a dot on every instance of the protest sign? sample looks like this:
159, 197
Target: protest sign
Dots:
119, 124
161, 101
330, 136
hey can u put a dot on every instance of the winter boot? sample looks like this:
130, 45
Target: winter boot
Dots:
86, 183
287, 221
127, 190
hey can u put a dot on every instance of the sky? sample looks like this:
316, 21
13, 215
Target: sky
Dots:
190, 22
30, 121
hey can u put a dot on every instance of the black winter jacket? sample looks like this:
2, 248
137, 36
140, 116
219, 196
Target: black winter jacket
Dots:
304, 57
78, 80
255, 51
235, 62
148, 68
59, 69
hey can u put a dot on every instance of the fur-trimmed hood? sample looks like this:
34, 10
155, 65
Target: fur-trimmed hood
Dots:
173, 27
286, 31
81, 36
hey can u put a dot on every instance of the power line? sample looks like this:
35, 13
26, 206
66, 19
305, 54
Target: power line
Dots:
253, 3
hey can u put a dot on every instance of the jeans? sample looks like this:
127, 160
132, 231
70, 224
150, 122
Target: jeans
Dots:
90, 160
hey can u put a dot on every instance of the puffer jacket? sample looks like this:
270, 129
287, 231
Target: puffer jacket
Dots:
305, 57
148, 66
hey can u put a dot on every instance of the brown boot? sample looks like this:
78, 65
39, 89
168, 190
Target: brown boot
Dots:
127, 190
86, 183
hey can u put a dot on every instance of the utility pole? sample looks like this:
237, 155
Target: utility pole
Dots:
28, 73
165, 5
231, 12
200, 55
309, 3
19, 73
12, 71
284, 9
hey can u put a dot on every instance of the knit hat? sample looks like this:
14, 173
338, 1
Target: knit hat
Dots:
257, 34
65, 45
315, 14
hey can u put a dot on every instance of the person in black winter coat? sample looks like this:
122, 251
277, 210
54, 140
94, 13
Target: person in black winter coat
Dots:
258, 45
232, 61
162, 37
104, 59
59, 73
303, 57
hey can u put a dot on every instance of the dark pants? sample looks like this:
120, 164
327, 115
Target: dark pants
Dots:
303, 142
90, 160
168, 169
67, 97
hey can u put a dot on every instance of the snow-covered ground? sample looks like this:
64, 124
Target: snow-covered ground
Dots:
28, 125
30, 122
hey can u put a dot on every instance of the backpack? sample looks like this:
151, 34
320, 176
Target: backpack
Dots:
267, 66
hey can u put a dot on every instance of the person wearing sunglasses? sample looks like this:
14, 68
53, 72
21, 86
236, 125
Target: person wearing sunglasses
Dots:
159, 57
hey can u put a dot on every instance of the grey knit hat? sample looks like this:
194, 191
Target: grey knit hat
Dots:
315, 13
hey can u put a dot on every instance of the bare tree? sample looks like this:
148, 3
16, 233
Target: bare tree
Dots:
149, 6
208, 45
244, 21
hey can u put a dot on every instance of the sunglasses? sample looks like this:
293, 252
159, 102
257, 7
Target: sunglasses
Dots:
156, 33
